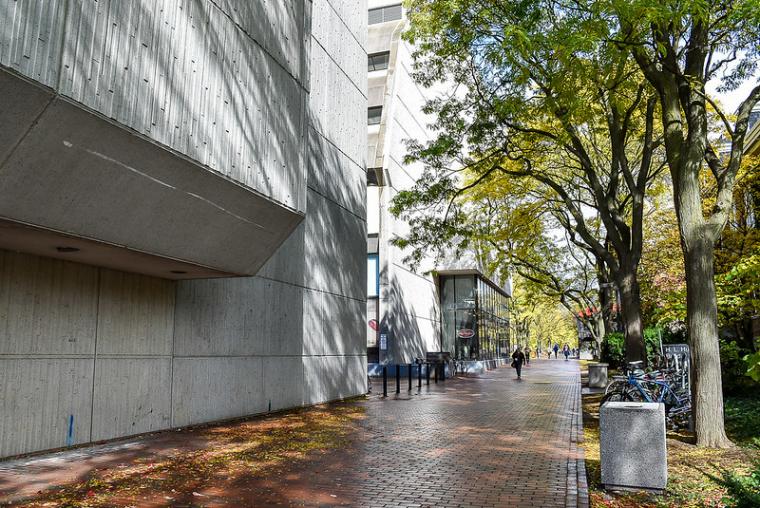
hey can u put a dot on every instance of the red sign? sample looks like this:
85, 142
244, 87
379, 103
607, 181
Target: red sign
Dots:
373, 324
466, 333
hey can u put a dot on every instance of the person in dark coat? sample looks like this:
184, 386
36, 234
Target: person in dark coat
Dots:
518, 357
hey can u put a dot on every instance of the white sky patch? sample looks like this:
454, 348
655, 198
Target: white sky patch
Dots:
732, 100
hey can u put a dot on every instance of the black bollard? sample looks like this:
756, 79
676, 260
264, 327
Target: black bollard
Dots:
385, 381
398, 378
409, 366
419, 376
427, 374
435, 371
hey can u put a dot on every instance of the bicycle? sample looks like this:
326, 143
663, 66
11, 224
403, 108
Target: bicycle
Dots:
657, 386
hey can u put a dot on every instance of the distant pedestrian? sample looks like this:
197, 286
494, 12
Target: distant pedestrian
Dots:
527, 355
566, 351
556, 350
549, 354
518, 357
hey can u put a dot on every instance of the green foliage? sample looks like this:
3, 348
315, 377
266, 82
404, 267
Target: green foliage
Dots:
753, 366
743, 419
739, 289
613, 347
734, 368
743, 491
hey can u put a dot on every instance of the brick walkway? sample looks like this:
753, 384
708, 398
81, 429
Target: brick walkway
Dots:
490, 441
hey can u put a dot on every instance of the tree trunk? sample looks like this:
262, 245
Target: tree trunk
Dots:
702, 321
630, 309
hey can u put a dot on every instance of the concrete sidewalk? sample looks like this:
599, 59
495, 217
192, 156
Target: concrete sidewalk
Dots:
488, 441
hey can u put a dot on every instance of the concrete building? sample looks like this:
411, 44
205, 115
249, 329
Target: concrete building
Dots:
402, 305
405, 320
182, 213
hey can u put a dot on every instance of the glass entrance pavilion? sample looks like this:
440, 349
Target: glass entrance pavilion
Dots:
474, 316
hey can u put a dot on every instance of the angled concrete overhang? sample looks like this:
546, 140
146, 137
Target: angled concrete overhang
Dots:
69, 177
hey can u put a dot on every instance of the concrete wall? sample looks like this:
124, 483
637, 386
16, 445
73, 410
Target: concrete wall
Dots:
124, 353
196, 109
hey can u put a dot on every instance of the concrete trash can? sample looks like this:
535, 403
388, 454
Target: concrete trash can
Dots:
597, 375
632, 441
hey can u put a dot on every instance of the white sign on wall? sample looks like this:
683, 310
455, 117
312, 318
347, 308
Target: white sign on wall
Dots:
383, 342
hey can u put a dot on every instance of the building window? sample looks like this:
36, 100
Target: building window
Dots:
383, 14
374, 114
371, 177
378, 61
375, 177
373, 275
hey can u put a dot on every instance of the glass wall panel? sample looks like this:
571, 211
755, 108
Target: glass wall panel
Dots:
373, 275
448, 314
466, 332
474, 318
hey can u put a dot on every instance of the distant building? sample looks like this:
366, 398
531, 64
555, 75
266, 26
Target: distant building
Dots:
751, 203
474, 316
182, 213
407, 309
402, 304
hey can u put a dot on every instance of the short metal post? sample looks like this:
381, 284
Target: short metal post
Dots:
419, 376
435, 370
427, 374
398, 378
409, 374
385, 381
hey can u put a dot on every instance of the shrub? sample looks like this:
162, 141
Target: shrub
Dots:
613, 346
613, 349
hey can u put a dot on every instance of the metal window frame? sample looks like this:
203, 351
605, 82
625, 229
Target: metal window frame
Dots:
384, 14
370, 119
374, 65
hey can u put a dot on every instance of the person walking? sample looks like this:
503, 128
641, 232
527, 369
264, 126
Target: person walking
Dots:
566, 351
518, 357
556, 349
527, 355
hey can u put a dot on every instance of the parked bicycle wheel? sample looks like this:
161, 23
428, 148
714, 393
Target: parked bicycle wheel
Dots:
616, 385
616, 396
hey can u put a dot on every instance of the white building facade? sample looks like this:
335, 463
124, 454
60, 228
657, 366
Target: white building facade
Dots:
402, 305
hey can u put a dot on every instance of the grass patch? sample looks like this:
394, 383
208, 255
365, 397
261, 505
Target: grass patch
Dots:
743, 420
688, 466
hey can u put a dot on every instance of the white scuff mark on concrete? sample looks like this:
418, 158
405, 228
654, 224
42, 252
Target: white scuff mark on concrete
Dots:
128, 167
161, 182
67, 144
225, 210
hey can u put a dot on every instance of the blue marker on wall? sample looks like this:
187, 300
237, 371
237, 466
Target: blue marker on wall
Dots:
70, 435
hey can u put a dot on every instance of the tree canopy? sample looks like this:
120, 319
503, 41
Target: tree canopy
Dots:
591, 100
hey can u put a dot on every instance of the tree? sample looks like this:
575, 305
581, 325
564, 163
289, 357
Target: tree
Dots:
681, 46
545, 322
539, 100
516, 224
663, 282
511, 226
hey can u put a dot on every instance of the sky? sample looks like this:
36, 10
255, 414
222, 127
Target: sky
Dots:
732, 100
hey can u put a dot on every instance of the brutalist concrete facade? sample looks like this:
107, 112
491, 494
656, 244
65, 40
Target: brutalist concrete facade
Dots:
407, 304
148, 152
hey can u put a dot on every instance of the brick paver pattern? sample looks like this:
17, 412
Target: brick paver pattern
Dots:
486, 441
